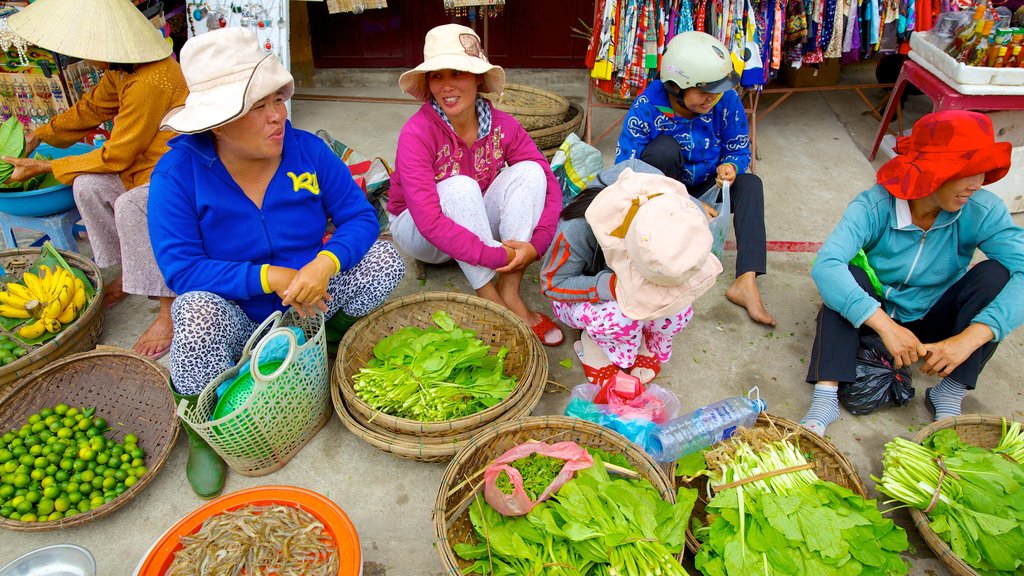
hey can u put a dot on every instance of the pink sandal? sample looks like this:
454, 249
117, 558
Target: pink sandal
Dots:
543, 327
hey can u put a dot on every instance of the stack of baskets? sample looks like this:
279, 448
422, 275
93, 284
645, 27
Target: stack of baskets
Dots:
548, 117
829, 464
78, 337
463, 479
437, 441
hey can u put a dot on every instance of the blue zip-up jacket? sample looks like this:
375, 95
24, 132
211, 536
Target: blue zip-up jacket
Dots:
208, 235
707, 141
915, 267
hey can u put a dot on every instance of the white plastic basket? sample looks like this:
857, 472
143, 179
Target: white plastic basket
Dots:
925, 50
285, 409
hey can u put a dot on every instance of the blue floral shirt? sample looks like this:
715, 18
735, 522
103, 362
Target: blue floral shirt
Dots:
707, 140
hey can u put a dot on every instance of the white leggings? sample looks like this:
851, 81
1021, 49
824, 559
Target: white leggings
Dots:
509, 210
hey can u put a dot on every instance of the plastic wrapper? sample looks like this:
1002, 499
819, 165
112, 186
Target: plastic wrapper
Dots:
878, 382
635, 419
518, 502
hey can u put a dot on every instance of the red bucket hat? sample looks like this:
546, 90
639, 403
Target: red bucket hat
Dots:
941, 147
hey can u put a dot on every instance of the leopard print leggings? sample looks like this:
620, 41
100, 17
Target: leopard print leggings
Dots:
210, 332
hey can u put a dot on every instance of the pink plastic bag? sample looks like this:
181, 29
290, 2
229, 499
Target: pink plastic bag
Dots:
518, 503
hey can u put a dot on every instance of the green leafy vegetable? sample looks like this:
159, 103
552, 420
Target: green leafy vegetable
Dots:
565, 363
538, 473
434, 374
12, 143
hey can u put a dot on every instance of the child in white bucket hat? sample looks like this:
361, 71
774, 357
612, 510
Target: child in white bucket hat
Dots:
626, 264
469, 183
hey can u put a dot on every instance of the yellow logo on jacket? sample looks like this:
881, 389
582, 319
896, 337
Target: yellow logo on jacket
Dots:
304, 181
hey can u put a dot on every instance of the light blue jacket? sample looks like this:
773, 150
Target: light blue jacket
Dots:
916, 267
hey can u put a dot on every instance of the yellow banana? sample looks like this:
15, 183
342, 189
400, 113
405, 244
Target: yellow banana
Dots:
33, 330
12, 300
46, 276
5, 297
68, 315
51, 324
78, 298
20, 291
59, 302
57, 282
12, 312
35, 286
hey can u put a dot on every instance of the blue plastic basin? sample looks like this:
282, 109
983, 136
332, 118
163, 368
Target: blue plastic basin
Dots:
44, 201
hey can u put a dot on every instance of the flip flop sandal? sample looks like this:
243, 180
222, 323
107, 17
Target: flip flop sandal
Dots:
543, 327
648, 362
602, 375
114, 301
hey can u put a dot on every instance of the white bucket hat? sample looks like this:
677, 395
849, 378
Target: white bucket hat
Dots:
657, 241
112, 31
452, 47
227, 72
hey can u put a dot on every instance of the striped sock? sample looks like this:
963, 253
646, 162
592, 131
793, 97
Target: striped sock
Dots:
946, 397
824, 409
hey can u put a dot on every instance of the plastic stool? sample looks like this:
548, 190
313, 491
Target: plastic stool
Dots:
59, 227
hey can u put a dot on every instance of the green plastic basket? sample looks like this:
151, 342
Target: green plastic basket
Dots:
240, 390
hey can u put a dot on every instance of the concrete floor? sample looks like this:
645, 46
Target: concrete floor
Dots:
813, 162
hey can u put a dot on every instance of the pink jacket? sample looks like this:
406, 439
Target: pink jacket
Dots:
429, 151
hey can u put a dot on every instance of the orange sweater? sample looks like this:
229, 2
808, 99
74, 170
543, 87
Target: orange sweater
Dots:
139, 101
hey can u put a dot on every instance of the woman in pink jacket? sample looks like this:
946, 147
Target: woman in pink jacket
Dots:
469, 183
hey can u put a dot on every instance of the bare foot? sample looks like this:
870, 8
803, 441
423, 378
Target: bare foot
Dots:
744, 293
112, 293
156, 340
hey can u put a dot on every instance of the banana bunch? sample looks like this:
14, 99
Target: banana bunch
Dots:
53, 299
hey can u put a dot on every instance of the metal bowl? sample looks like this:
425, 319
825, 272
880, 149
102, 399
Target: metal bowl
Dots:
56, 560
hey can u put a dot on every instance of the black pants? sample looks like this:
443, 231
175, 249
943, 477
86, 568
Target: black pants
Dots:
834, 355
747, 202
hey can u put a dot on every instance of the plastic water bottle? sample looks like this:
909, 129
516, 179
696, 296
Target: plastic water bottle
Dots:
704, 426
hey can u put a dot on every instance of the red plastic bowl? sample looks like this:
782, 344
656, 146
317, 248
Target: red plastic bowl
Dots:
333, 518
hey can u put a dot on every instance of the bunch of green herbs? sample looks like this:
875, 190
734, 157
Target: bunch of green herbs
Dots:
979, 511
538, 472
595, 525
433, 374
792, 523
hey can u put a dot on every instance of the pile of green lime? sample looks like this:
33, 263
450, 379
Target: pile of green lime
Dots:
10, 350
60, 463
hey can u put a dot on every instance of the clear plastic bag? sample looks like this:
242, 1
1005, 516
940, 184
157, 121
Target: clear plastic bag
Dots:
719, 225
636, 420
518, 502
878, 383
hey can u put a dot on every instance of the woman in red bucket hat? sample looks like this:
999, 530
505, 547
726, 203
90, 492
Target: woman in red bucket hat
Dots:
919, 229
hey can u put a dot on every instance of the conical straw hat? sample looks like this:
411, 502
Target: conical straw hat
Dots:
99, 30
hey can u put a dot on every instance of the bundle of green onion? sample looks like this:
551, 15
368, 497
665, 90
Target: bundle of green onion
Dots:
978, 509
772, 515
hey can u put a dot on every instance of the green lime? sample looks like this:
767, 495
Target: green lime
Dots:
19, 352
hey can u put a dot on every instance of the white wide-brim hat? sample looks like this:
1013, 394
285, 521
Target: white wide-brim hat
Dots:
226, 71
112, 31
452, 47
657, 241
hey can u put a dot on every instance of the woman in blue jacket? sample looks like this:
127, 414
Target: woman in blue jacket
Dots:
691, 126
920, 227
239, 208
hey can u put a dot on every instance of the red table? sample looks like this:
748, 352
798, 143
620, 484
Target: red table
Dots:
943, 96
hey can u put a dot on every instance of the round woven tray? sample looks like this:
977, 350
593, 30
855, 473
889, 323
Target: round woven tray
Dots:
82, 335
493, 324
131, 392
451, 510
553, 137
829, 464
428, 448
608, 98
977, 429
534, 108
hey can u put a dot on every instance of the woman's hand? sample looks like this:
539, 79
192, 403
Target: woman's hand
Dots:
523, 255
725, 173
944, 356
308, 288
900, 342
27, 168
31, 143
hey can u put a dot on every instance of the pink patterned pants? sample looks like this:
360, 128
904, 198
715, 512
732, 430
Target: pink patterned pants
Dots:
619, 336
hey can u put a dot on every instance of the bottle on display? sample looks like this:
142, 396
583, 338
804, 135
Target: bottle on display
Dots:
967, 31
704, 427
977, 49
1001, 58
1013, 59
1001, 39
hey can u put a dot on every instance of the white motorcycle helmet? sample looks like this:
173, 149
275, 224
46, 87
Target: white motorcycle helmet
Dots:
698, 60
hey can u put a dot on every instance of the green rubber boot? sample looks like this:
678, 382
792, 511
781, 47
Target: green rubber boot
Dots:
335, 328
205, 469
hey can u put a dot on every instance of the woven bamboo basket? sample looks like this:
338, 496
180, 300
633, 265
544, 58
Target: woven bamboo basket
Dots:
977, 429
129, 391
79, 337
547, 138
534, 108
609, 98
493, 324
427, 448
451, 510
829, 464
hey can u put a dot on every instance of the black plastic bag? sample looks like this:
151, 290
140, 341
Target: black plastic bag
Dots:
878, 383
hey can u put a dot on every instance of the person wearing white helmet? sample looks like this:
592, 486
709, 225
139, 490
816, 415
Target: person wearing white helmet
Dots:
691, 125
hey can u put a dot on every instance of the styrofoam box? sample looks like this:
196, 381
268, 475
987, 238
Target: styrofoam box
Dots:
928, 47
